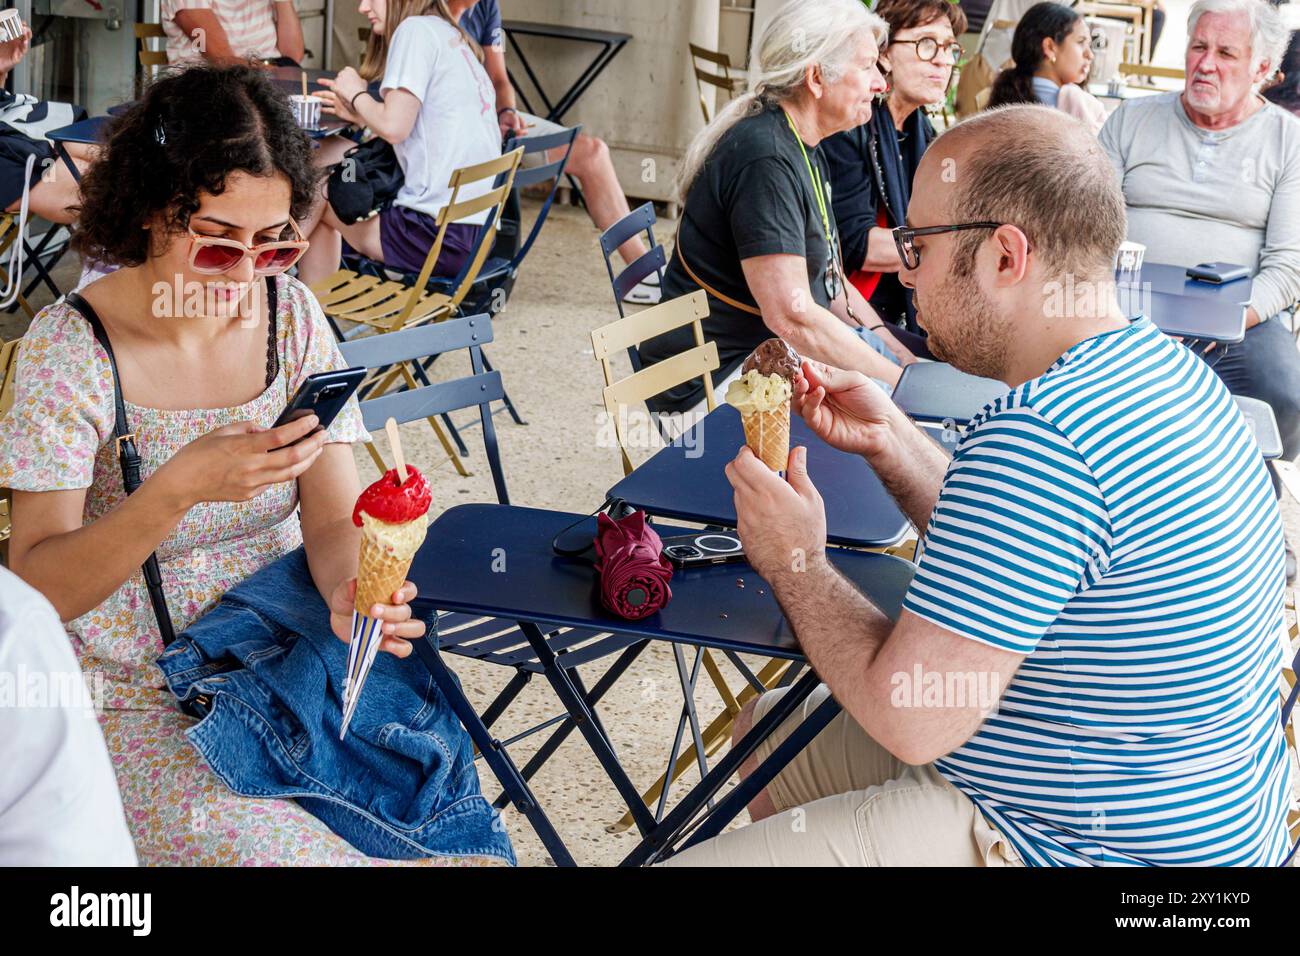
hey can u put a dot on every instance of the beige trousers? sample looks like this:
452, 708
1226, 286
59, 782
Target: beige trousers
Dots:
847, 801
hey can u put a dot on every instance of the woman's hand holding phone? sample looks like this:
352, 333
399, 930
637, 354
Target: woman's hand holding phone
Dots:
238, 462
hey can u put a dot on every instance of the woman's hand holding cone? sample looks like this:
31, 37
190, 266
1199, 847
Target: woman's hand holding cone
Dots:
400, 627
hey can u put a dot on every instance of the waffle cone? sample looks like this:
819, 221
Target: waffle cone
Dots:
768, 436
385, 558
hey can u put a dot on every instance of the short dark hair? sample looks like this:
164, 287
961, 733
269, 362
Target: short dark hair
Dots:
905, 14
193, 127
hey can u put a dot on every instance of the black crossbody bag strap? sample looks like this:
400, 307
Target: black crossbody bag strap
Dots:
128, 455
129, 458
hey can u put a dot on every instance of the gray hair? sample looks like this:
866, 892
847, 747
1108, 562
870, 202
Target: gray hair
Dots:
801, 34
1268, 33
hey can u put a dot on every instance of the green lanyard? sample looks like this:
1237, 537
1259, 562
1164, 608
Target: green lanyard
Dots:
814, 176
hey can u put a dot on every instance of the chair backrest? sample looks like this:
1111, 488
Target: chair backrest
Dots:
645, 383
553, 172
720, 77
1153, 72
501, 171
425, 341
640, 219
150, 58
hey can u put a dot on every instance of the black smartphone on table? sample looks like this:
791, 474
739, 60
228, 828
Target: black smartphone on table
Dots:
323, 395
1218, 273
706, 547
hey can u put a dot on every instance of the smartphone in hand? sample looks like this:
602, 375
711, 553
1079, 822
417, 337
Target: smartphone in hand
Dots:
323, 395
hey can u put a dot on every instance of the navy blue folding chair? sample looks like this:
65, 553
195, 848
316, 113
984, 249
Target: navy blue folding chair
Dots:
482, 638
640, 219
496, 280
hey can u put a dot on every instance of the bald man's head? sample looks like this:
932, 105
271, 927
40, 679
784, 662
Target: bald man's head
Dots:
1037, 169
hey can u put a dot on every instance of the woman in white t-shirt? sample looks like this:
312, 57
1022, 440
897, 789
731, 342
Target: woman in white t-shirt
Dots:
438, 109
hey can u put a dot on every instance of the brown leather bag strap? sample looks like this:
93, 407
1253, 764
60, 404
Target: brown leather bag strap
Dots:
677, 249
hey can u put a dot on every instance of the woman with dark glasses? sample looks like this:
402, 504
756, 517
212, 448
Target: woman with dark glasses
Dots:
872, 166
194, 200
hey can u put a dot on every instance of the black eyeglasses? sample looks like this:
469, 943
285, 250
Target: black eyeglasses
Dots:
927, 48
903, 239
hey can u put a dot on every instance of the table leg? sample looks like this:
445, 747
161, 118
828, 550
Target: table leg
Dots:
735, 801
657, 843
584, 81
494, 754
32, 257
561, 733
688, 683
600, 745
528, 68
67, 161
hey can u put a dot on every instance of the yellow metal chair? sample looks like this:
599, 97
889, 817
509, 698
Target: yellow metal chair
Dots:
724, 77
150, 59
1132, 71
619, 396
8, 361
387, 305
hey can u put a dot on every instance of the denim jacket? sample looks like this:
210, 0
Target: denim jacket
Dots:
402, 783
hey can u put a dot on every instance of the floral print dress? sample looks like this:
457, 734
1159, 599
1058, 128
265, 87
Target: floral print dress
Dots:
59, 435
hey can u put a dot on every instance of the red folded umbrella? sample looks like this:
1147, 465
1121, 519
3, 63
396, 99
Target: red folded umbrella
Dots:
634, 574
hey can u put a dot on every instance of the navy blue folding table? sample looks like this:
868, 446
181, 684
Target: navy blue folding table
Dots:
686, 481
938, 392
497, 560
1187, 307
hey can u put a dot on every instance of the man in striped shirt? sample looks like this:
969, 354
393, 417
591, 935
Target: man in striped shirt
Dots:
223, 30
1085, 670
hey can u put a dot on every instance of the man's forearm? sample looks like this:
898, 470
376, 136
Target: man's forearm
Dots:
288, 31
505, 95
912, 471
839, 630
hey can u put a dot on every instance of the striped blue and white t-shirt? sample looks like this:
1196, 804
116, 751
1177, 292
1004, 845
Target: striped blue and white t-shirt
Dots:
1113, 521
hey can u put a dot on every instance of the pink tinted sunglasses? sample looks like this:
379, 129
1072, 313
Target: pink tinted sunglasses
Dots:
212, 255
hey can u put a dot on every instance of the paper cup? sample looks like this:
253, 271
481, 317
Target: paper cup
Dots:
1128, 262
11, 26
306, 110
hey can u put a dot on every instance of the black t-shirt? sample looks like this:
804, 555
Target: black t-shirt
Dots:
752, 198
860, 190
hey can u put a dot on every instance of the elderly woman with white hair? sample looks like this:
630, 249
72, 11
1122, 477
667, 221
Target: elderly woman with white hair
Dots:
1213, 174
757, 231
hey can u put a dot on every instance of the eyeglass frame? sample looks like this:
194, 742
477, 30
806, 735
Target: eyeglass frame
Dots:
198, 241
954, 49
904, 236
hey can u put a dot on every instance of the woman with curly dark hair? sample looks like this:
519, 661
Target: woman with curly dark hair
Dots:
1051, 52
194, 199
